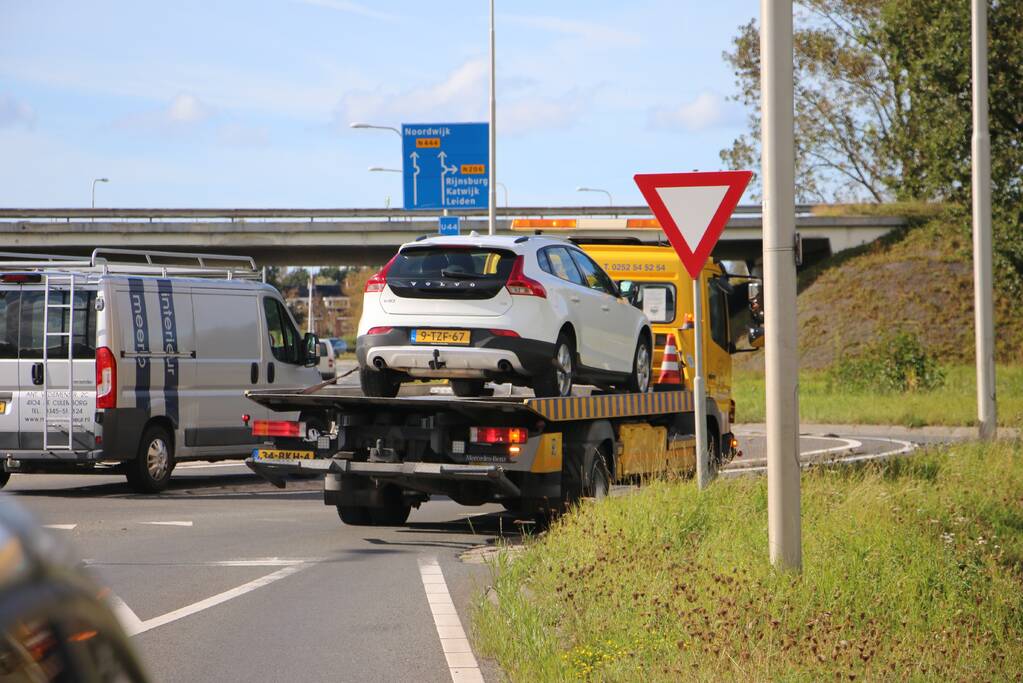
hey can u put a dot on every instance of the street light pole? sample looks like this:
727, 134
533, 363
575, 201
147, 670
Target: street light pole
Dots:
356, 124
781, 352
492, 200
610, 200
983, 307
97, 180
505, 188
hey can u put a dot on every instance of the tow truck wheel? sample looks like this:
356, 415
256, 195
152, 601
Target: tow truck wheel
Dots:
467, 387
379, 383
354, 515
395, 510
600, 479
150, 470
4, 478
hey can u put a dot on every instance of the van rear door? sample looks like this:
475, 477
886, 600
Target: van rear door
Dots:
55, 375
10, 298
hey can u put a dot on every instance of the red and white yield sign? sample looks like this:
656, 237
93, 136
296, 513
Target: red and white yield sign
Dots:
693, 209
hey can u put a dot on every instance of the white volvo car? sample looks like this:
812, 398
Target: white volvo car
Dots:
533, 311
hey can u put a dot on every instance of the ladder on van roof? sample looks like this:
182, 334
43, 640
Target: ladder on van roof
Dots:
105, 260
55, 284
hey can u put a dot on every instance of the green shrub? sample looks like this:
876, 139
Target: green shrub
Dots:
897, 362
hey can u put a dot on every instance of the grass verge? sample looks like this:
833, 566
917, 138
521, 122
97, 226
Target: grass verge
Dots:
954, 404
913, 569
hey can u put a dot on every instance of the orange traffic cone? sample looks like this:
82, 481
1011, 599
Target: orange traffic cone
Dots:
669, 363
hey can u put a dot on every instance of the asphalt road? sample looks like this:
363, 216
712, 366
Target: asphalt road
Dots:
225, 578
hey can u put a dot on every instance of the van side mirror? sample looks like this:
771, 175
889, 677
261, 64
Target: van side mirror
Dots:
311, 343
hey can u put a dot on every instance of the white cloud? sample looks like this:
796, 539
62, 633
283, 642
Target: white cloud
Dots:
186, 108
461, 96
707, 110
14, 112
184, 112
597, 33
350, 8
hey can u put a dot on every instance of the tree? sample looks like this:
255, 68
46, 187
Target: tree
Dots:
883, 107
332, 275
273, 276
355, 283
295, 277
882, 99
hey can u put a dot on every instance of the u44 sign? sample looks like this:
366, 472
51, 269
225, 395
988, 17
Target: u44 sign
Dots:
445, 165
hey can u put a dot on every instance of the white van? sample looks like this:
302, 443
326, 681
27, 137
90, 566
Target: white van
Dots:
157, 358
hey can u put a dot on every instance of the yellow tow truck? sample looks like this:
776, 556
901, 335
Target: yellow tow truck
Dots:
383, 456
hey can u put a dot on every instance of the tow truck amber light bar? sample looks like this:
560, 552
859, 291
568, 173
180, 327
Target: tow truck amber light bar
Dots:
277, 428
585, 224
497, 435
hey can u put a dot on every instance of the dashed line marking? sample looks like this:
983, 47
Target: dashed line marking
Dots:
62, 527
170, 523
462, 663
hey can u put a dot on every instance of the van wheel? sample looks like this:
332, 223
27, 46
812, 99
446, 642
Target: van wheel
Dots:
4, 478
150, 471
639, 380
379, 383
467, 387
557, 381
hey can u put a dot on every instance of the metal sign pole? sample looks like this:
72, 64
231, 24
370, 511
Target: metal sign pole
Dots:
699, 399
983, 288
492, 162
781, 348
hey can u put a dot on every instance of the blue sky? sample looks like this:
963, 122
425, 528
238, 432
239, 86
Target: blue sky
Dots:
247, 104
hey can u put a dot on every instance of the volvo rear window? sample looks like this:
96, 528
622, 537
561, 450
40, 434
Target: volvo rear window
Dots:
448, 262
450, 272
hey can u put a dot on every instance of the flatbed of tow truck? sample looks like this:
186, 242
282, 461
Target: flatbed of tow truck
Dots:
381, 456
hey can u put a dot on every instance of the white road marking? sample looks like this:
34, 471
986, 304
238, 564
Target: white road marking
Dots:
904, 448
848, 445
170, 523
62, 527
134, 626
461, 662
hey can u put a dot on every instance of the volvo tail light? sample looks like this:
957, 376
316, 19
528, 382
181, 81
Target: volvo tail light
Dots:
504, 333
497, 435
520, 285
379, 330
106, 379
278, 428
379, 279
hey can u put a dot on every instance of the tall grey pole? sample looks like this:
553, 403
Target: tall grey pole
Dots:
309, 317
492, 182
984, 329
779, 216
699, 395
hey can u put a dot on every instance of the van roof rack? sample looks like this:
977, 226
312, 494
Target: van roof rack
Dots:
105, 260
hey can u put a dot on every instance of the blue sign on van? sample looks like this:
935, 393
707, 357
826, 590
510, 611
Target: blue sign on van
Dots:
445, 165
449, 225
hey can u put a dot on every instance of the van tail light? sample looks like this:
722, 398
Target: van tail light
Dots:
278, 428
106, 379
492, 435
379, 279
520, 285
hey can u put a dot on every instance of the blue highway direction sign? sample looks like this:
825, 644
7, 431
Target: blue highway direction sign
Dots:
449, 225
445, 165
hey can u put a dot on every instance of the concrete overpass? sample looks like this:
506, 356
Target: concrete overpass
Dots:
368, 236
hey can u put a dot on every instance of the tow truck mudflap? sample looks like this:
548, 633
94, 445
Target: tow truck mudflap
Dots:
276, 472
